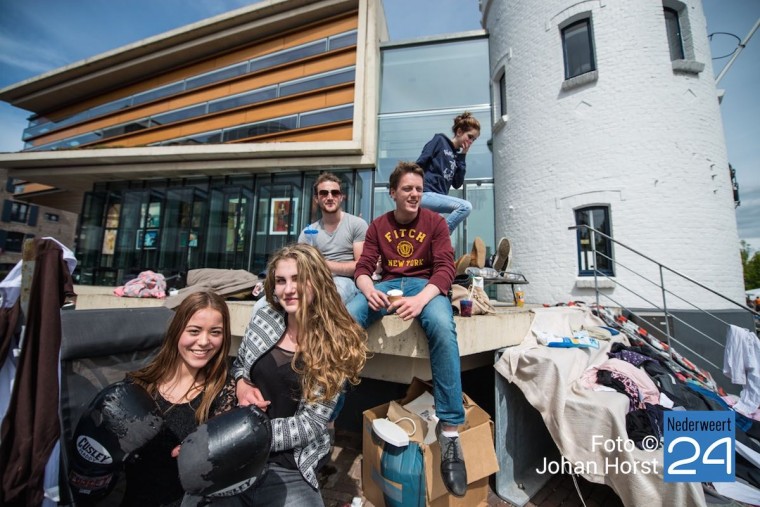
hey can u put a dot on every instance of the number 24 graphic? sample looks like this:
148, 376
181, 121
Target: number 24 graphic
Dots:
706, 459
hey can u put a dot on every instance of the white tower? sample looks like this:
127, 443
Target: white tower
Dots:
600, 110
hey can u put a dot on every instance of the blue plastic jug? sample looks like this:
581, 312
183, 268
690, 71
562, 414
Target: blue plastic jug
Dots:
404, 466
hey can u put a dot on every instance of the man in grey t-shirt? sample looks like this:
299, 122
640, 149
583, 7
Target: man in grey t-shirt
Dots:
340, 235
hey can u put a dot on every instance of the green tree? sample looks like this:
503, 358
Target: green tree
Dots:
751, 267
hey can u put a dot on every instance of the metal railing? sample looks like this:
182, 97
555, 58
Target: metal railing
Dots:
668, 314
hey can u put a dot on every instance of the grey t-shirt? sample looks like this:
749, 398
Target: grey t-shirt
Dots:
339, 245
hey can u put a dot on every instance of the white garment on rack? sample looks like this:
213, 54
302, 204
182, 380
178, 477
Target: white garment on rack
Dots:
741, 363
10, 287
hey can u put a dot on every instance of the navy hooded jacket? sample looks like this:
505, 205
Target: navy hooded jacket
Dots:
444, 167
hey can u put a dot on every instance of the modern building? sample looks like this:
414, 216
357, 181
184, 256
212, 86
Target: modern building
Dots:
198, 147
21, 220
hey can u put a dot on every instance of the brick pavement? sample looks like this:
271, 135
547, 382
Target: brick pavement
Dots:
340, 481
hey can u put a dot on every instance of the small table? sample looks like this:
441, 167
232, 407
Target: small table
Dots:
508, 278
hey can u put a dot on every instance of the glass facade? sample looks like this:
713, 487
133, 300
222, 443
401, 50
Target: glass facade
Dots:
232, 102
237, 221
423, 88
39, 125
172, 226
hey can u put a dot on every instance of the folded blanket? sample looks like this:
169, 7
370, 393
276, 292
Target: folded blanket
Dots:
225, 282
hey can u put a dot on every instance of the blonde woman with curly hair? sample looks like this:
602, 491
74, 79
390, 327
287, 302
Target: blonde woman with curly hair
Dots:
298, 352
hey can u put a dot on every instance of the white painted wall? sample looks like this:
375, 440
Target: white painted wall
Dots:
642, 138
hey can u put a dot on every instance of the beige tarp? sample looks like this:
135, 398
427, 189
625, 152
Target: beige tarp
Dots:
588, 426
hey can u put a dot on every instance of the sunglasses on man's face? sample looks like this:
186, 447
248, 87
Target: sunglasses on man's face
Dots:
334, 193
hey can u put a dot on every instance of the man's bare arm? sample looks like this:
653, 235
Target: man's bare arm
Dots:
347, 268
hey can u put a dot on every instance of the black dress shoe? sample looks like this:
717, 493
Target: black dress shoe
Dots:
453, 472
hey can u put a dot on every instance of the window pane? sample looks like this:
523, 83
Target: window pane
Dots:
315, 82
343, 40
14, 241
327, 116
596, 217
435, 76
102, 109
383, 202
19, 212
181, 114
503, 94
403, 137
243, 99
481, 219
67, 143
158, 93
214, 137
673, 28
125, 128
289, 55
261, 128
579, 57
217, 75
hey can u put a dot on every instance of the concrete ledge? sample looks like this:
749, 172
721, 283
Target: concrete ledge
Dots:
240, 311
688, 66
587, 282
581, 80
481, 333
399, 348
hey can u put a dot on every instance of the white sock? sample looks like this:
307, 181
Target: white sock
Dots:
450, 434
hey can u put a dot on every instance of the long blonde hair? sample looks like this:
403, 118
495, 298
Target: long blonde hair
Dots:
332, 347
163, 367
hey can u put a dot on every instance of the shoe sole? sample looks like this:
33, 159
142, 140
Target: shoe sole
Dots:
478, 253
503, 255
463, 263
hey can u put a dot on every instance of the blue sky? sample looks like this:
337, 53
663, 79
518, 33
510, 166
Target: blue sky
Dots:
37, 36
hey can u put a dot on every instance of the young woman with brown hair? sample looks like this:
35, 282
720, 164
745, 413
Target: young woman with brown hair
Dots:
189, 381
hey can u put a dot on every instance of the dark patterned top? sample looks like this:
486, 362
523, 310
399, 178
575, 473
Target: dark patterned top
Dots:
305, 431
152, 473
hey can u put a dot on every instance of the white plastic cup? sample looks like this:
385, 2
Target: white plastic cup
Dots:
395, 295
311, 236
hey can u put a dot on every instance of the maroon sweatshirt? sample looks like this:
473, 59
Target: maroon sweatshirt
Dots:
420, 249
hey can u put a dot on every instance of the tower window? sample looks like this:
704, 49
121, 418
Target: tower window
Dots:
578, 49
596, 217
675, 40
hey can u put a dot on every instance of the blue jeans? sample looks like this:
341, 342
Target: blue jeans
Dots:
346, 288
437, 320
458, 209
280, 486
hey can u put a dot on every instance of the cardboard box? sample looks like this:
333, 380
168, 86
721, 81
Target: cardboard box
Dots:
477, 445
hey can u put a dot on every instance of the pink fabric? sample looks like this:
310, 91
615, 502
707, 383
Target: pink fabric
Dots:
649, 392
147, 285
732, 399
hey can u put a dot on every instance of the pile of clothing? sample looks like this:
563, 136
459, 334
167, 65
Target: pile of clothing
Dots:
656, 380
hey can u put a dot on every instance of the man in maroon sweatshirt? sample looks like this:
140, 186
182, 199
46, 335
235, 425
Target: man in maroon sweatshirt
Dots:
416, 256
